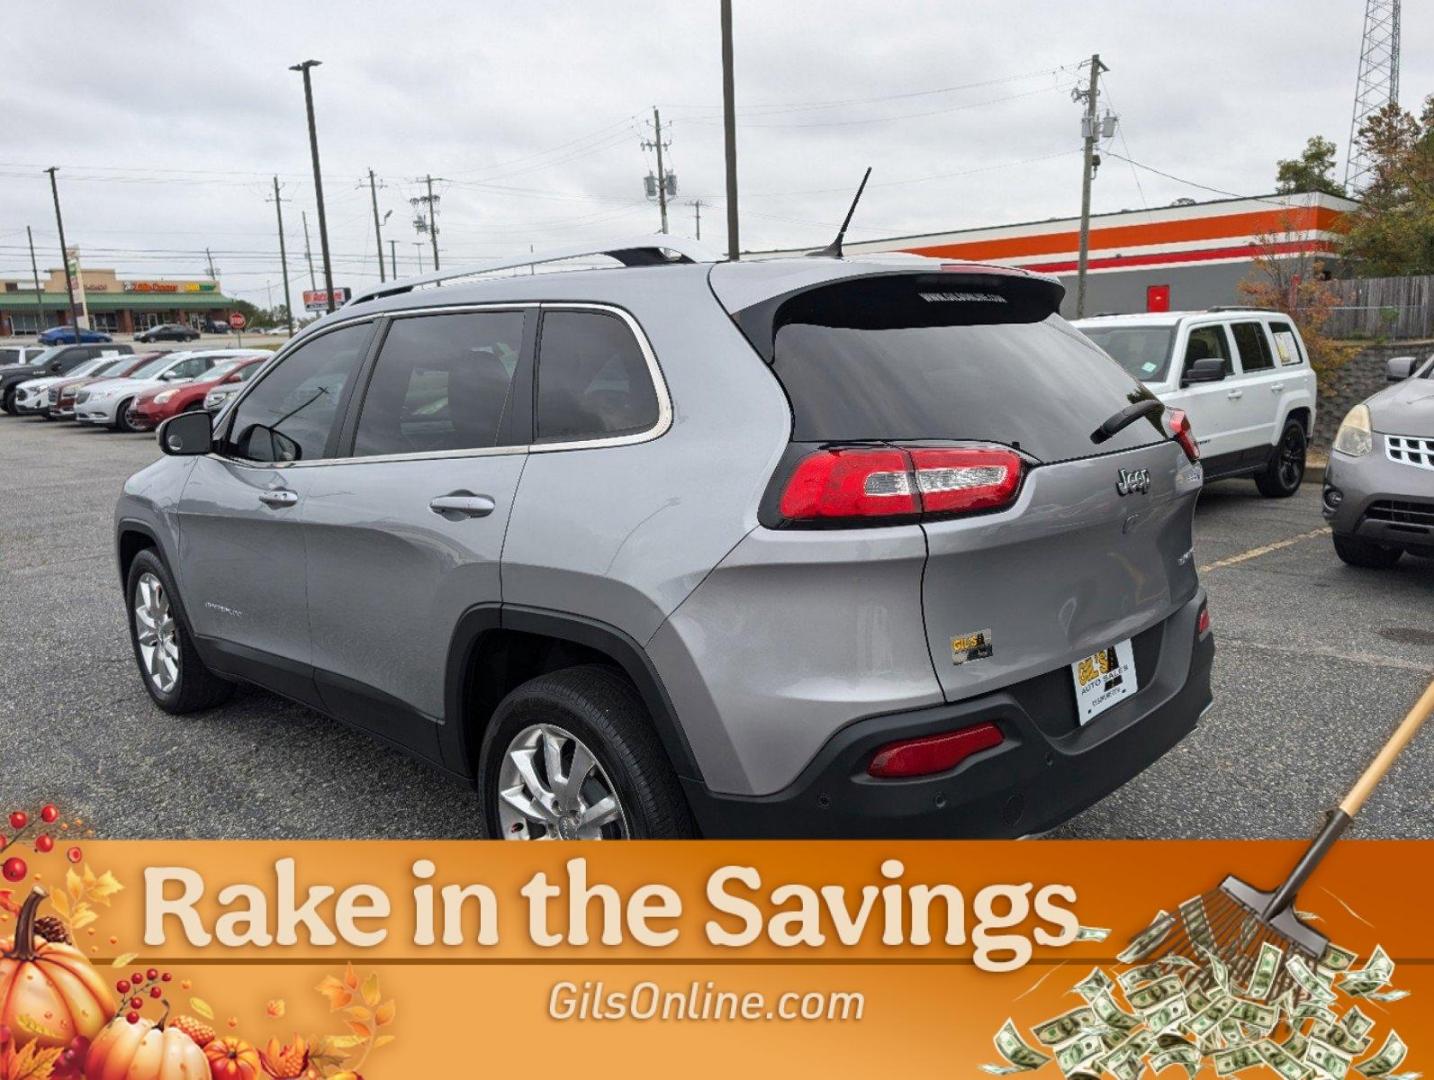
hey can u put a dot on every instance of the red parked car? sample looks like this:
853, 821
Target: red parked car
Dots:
153, 407
62, 395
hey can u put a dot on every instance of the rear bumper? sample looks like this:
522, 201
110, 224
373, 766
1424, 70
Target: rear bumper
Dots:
1032, 782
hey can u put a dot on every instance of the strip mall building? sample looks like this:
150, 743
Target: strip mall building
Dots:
1173, 258
115, 305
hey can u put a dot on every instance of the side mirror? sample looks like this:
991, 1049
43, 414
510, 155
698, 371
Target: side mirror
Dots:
1400, 368
186, 434
1207, 369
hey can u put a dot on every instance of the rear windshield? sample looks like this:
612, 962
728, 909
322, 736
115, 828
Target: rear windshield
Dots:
1143, 351
921, 357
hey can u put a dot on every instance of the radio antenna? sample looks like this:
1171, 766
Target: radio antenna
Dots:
833, 250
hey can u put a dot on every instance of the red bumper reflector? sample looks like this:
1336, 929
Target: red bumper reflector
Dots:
933, 753
1202, 622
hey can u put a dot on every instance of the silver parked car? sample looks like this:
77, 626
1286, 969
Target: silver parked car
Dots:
1379, 487
810, 546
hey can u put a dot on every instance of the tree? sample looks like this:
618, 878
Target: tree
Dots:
1392, 232
1313, 170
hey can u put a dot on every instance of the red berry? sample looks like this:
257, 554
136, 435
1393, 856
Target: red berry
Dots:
132, 1017
3, 841
44, 844
166, 977
136, 1003
74, 854
49, 813
152, 974
19, 819
122, 986
14, 869
155, 992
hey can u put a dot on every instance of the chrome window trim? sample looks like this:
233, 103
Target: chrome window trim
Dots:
654, 370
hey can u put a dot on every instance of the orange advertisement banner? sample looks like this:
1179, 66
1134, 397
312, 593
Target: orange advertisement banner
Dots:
348, 958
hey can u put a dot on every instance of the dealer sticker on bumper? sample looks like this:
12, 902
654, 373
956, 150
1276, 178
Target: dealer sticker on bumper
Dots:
1103, 679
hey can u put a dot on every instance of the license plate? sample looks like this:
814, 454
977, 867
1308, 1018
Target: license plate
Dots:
1102, 680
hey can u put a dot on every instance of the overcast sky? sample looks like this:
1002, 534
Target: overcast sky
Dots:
168, 120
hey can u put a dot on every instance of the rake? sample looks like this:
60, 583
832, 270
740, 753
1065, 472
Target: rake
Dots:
1233, 921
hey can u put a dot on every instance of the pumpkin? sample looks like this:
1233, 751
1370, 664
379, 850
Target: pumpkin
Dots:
144, 1050
49, 994
231, 1058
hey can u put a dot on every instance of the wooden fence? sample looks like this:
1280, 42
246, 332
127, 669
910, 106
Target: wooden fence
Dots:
1392, 307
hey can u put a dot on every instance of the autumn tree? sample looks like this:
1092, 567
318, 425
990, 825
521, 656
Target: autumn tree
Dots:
1392, 232
1313, 170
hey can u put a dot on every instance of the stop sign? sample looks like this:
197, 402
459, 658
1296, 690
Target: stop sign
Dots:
236, 321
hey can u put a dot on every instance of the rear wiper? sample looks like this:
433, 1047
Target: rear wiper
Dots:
1123, 419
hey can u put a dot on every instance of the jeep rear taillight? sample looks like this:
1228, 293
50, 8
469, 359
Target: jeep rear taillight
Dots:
1184, 433
860, 484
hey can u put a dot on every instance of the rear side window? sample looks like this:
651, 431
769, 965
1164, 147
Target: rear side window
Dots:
290, 414
1287, 344
1205, 342
593, 379
442, 382
1143, 351
912, 357
1255, 354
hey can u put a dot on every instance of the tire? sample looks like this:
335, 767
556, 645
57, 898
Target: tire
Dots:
193, 686
590, 708
1366, 554
1282, 477
121, 421
8, 404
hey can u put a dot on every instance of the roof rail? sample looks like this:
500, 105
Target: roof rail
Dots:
1241, 307
638, 251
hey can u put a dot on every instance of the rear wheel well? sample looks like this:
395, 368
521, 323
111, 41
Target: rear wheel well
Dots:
131, 543
1301, 414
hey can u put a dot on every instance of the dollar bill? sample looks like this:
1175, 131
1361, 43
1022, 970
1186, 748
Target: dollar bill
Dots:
1020, 1056
1267, 966
1149, 939
1259, 1016
1092, 933
1153, 995
1185, 1055
1329, 1060
1335, 958
1340, 1038
1387, 995
1067, 1026
1143, 973
1208, 1019
1308, 981
1082, 1050
1282, 1061
1375, 974
1112, 1015
1391, 1055
1312, 1010
1355, 1022
1197, 999
1168, 1015
1236, 1059
1217, 969
1296, 1044
1094, 984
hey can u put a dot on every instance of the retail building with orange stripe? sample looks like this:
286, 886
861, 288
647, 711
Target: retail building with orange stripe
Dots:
1180, 257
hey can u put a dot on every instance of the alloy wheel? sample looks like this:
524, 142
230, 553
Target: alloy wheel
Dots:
552, 787
156, 632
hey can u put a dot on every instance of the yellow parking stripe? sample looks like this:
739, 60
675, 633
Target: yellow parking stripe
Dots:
1255, 553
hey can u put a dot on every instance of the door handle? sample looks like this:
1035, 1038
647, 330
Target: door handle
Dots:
278, 498
1277, 387
462, 504
1234, 394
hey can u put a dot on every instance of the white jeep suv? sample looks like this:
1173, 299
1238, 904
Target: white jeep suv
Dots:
1241, 375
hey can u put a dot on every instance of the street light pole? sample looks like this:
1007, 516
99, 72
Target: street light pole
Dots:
393, 258
304, 69
64, 252
377, 228
729, 131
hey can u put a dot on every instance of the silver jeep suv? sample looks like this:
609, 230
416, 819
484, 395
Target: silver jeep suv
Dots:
810, 546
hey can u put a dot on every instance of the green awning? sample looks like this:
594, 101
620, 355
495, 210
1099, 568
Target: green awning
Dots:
121, 301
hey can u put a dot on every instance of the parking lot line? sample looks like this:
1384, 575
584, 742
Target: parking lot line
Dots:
1264, 549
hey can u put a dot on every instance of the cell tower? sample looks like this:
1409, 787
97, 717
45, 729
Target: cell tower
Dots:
1378, 83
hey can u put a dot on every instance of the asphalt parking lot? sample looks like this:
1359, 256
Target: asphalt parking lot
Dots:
1316, 663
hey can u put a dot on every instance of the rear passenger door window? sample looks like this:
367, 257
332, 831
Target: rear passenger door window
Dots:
290, 414
442, 382
1254, 346
1205, 342
593, 379
1287, 344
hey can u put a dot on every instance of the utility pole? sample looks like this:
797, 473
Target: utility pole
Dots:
729, 131
74, 319
1091, 130
304, 68
308, 252
393, 258
284, 257
697, 205
39, 296
433, 222
656, 142
377, 231
209, 258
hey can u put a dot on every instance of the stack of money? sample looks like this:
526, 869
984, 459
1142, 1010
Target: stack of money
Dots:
1192, 1011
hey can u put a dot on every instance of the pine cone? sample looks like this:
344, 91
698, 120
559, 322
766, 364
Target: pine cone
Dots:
52, 929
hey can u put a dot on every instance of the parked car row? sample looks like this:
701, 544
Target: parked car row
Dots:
113, 386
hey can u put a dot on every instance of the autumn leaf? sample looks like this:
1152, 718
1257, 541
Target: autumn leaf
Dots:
123, 960
359, 1013
103, 888
383, 1040
276, 1008
371, 994
84, 915
202, 1007
351, 979
32, 1062
335, 1043
363, 1031
61, 903
74, 885
337, 993
384, 1014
